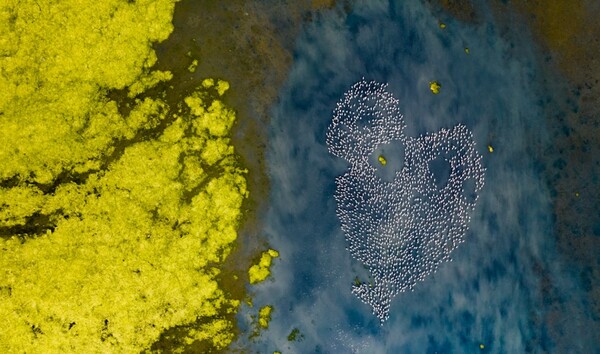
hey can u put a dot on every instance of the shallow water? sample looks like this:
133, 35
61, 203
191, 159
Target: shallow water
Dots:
491, 294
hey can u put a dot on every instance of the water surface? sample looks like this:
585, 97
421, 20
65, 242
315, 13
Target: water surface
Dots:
491, 294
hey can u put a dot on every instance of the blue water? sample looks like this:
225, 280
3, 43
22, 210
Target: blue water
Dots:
491, 292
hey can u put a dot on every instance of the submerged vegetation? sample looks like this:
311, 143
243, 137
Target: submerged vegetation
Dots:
295, 335
114, 214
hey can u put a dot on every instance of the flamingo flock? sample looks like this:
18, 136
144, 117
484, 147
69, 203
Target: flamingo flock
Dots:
403, 229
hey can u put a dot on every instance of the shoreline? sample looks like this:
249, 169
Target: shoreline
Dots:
250, 45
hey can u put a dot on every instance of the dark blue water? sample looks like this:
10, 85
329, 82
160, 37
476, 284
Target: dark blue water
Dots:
491, 293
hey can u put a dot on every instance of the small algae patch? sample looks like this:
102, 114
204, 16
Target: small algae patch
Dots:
382, 160
435, 87
259, 272
264, 316
193, 66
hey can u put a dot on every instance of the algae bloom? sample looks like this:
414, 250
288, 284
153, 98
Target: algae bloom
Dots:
114, 218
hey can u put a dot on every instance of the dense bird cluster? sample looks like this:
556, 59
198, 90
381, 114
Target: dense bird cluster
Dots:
403, 229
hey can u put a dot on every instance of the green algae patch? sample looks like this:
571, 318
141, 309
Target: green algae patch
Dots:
295, 335
112, 226
259, 272
382, 160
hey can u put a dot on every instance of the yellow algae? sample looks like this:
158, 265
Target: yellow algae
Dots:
217, 332
259, 272
217, 119
208, 83
147, 81
264, 316
222, 87
18, 203
72, 50
118, 257
435, 87
196, 105
110, 236
193, 66
490, 148
442, 25
467, 50
382, 160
